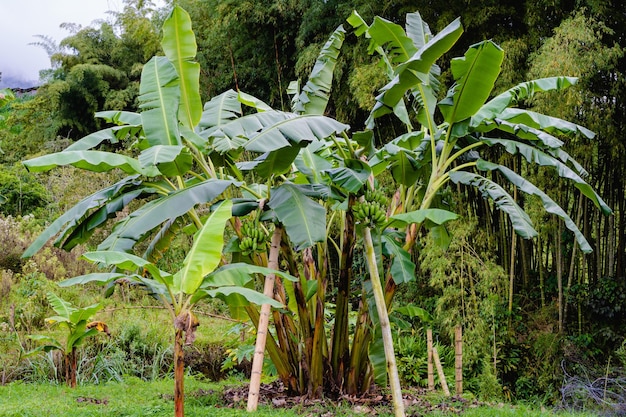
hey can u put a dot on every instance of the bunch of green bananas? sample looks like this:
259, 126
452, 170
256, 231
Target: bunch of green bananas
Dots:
253, 239
371, 211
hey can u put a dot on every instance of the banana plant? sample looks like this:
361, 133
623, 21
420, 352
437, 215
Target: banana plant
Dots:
443, 137
179, 292
76, 322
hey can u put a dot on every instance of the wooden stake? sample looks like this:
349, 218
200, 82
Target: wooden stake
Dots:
431, 369
458, 360
262, 329
442, 377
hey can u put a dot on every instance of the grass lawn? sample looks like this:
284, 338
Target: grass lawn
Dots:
135, 397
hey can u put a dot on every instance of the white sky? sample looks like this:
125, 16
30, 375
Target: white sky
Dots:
21, 20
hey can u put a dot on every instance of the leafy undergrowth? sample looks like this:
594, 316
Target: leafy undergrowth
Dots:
135, 397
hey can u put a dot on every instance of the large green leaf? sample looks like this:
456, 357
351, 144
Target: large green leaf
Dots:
97, 277
503, 201
543, 122
517, 94
275, 163
240, 274
60, 306
304, 219
85, 313
80, 231
314, 96
72, 216
352, 176
232, 294
219, 111
402, 267
475, 74
287, 130
170, 160
133, 228
415, 70
206, 252
549, 205
126, 262
179, 45
417, 30
437, 216
534, 155
159, 96
96, 161
109, 135
400, 48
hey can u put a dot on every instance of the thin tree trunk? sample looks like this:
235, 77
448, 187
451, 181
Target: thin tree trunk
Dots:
179, 374
264, 319
385, 327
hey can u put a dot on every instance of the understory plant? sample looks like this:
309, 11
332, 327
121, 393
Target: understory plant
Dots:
78, 327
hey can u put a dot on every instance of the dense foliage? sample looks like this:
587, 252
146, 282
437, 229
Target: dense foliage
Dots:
527, 306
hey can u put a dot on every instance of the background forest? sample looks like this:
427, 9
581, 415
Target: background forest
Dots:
538, 314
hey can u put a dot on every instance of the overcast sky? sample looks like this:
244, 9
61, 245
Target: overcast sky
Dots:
21, 20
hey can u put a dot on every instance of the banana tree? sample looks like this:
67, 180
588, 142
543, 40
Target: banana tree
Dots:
198, 279
79, 327
443, 137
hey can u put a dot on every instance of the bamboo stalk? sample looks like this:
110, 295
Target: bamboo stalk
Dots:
458, 360
442, 376
264, 319
431, 369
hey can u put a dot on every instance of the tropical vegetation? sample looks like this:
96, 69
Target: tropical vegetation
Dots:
409, 178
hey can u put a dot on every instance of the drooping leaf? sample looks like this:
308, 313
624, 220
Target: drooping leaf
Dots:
232, 294
179, 45
536, 156
81, 230
549, 205
240, 274
292, 130
304, 219
96, 161
520, 92
97, 277
503, 201
133, 228
72, 216
475, 75
85, 313
543, 122
206, 252
159, 97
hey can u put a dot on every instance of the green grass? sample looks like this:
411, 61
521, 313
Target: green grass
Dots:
135, 397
